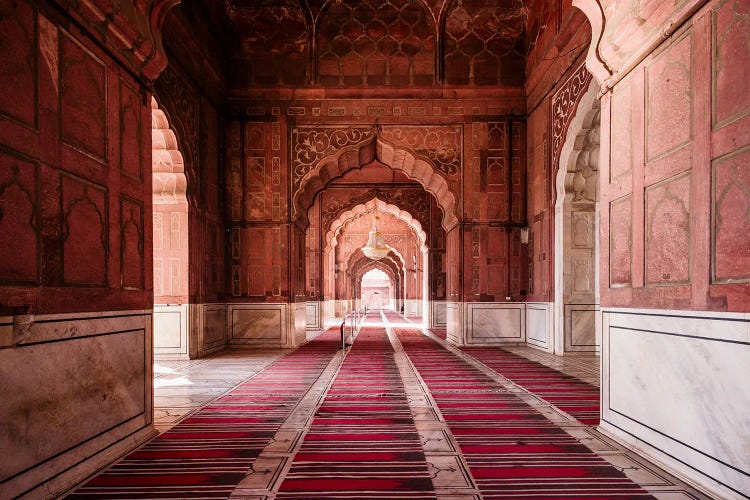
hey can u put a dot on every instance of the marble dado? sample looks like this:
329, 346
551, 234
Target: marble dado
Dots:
266, 324
581, 323
674, 387
539, 325
496, 323
189, 331
313, 315
438, 315
64, 368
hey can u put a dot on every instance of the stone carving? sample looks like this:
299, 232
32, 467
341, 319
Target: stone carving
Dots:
582, 276
414, 201
441, 144
582, 181
311, 144
276, 52
376, 42
483, 43
582, 227
564, 104
180, 102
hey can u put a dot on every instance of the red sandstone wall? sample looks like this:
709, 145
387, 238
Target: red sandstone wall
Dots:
75, 184
675, 193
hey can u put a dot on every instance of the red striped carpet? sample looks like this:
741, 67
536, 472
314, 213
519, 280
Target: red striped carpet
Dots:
440, 332
207, 454
362, 443
511, 449
574, 396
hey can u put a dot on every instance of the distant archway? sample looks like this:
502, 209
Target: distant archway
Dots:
576, 326
170, 231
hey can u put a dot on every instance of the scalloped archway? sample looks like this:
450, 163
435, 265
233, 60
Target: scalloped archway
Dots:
363, 209
170, 238
577, 231
413, 166
169, 188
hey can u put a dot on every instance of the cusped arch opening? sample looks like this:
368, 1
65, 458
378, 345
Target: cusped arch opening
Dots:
365, 208
401, 159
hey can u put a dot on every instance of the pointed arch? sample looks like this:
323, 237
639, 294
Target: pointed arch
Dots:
365, 208
170, 205
401, 159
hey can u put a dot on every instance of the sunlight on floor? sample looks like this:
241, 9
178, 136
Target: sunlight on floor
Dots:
172, 382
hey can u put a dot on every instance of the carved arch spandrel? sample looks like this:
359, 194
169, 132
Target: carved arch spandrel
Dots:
369, 149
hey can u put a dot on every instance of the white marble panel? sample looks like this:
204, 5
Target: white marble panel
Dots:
495, 323
580, 328
312, 315
170, 330
455, 322
439, 314
71, 403
675, 388
538, 322
412, 307
257, 324
297, 333
214, 325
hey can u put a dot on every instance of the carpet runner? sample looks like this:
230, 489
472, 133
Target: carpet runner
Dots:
572, 395
207, 454
512, 450
363, 442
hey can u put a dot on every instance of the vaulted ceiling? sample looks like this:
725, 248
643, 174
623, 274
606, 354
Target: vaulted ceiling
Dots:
372, 43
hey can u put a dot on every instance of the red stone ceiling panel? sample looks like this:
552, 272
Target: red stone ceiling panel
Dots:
376, 42
484, 43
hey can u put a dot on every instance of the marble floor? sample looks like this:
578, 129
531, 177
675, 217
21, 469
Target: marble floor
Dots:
182, 387
585, 367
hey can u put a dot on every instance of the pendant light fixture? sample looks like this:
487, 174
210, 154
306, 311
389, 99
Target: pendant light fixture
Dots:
375, 248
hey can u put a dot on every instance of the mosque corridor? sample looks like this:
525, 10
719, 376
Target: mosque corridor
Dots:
400, 414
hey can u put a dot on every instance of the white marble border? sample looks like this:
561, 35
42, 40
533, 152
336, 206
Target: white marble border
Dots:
64, 468
695, 343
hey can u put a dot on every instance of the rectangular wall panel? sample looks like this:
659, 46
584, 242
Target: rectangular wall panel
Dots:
677, 385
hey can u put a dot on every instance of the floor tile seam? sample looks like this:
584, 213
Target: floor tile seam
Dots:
576, 364
187, 415
499, 378
566, 428
286, 466
468, 454
456, 450
301, 442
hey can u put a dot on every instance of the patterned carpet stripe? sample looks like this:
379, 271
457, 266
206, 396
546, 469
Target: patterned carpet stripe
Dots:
512, 450
574, 396
362, 443
207, 454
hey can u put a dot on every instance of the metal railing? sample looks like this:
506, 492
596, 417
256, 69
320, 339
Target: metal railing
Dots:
355, 317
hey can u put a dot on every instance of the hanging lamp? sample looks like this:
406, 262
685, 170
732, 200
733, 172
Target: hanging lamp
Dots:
375, 248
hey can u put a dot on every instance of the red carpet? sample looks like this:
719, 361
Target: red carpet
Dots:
362, 443
512, 450
207, 454
440, 332
574, 396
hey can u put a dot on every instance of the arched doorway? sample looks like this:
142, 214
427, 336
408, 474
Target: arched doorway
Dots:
407, 258
171, 252
576, 322
376, 290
